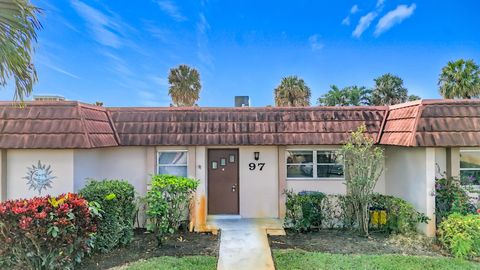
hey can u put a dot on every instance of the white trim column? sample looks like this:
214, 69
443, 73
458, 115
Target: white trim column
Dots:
3, 174
429, 229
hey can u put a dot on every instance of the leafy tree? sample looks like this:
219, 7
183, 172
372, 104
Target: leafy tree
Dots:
334, 97
389, 90
358, 95
184, 86
460, 79
18, 26
413, 97
363, 166
348, 96
292, 92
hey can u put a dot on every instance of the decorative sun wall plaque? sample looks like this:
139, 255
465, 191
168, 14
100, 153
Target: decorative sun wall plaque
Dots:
39, 177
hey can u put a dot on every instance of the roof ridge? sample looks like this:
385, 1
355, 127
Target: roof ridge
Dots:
82, 119
415, 125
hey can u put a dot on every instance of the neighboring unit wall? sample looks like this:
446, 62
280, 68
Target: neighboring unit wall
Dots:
19, 162
3, 174
440, 162
132, 163
410, 175
259, 188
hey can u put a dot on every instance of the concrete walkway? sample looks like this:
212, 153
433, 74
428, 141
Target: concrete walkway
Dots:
244, 244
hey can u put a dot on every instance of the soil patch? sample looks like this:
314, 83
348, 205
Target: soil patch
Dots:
348, 242
144, 246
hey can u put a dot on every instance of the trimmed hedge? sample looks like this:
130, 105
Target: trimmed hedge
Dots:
168, 202
46, 232
307, 211
304, 210
117, 201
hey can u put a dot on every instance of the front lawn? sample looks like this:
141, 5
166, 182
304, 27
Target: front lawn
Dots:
144, 247
295, 259
175, 263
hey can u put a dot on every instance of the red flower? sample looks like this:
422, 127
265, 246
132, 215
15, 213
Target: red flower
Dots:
41, 215
18, 210
478, 211
25, 222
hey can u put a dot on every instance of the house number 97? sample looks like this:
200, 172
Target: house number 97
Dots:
252, 166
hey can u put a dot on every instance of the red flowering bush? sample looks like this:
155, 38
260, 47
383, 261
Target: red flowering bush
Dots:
46, 232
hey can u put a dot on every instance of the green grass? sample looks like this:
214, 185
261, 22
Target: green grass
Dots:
182, 263
294, 259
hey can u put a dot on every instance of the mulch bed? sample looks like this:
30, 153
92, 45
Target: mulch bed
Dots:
144, 246
348, 242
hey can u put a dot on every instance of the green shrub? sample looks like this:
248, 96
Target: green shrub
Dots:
461, 235
304, 211
168, 203
117, 201
451, 198
401, 216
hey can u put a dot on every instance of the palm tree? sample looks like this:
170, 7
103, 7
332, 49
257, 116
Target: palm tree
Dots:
357, 95
184, 86
389, 90
18, 26
292, 92
348, 96
334, 97
460, 79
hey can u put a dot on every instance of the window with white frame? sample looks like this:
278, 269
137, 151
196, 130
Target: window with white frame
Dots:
314, 164
172, 162
470, 167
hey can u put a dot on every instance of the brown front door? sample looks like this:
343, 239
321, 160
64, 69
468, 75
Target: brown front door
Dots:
223, 181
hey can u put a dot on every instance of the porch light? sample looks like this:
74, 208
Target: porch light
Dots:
256, 155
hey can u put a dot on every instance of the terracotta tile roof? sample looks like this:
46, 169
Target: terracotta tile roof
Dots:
55, 125
70, 124
433, 123
243, 126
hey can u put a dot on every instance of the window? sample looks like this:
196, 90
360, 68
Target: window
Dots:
172, 162
470, 167
314, 164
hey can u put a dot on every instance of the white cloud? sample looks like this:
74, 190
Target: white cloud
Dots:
203, 52
172, 10
393, 17
106, 29
315, 44
154, 98
160, 81
49, 63
380, 3
354, 9
363, 24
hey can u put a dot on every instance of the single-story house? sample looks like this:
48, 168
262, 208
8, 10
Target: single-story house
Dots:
244, 157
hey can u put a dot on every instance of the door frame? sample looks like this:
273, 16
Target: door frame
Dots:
208, 177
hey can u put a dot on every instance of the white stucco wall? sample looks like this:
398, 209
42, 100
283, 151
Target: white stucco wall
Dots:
259, 188
440, 162
60, 162
128, 163
410, 175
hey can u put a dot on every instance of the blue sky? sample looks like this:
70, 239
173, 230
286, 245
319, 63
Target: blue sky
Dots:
120, 52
